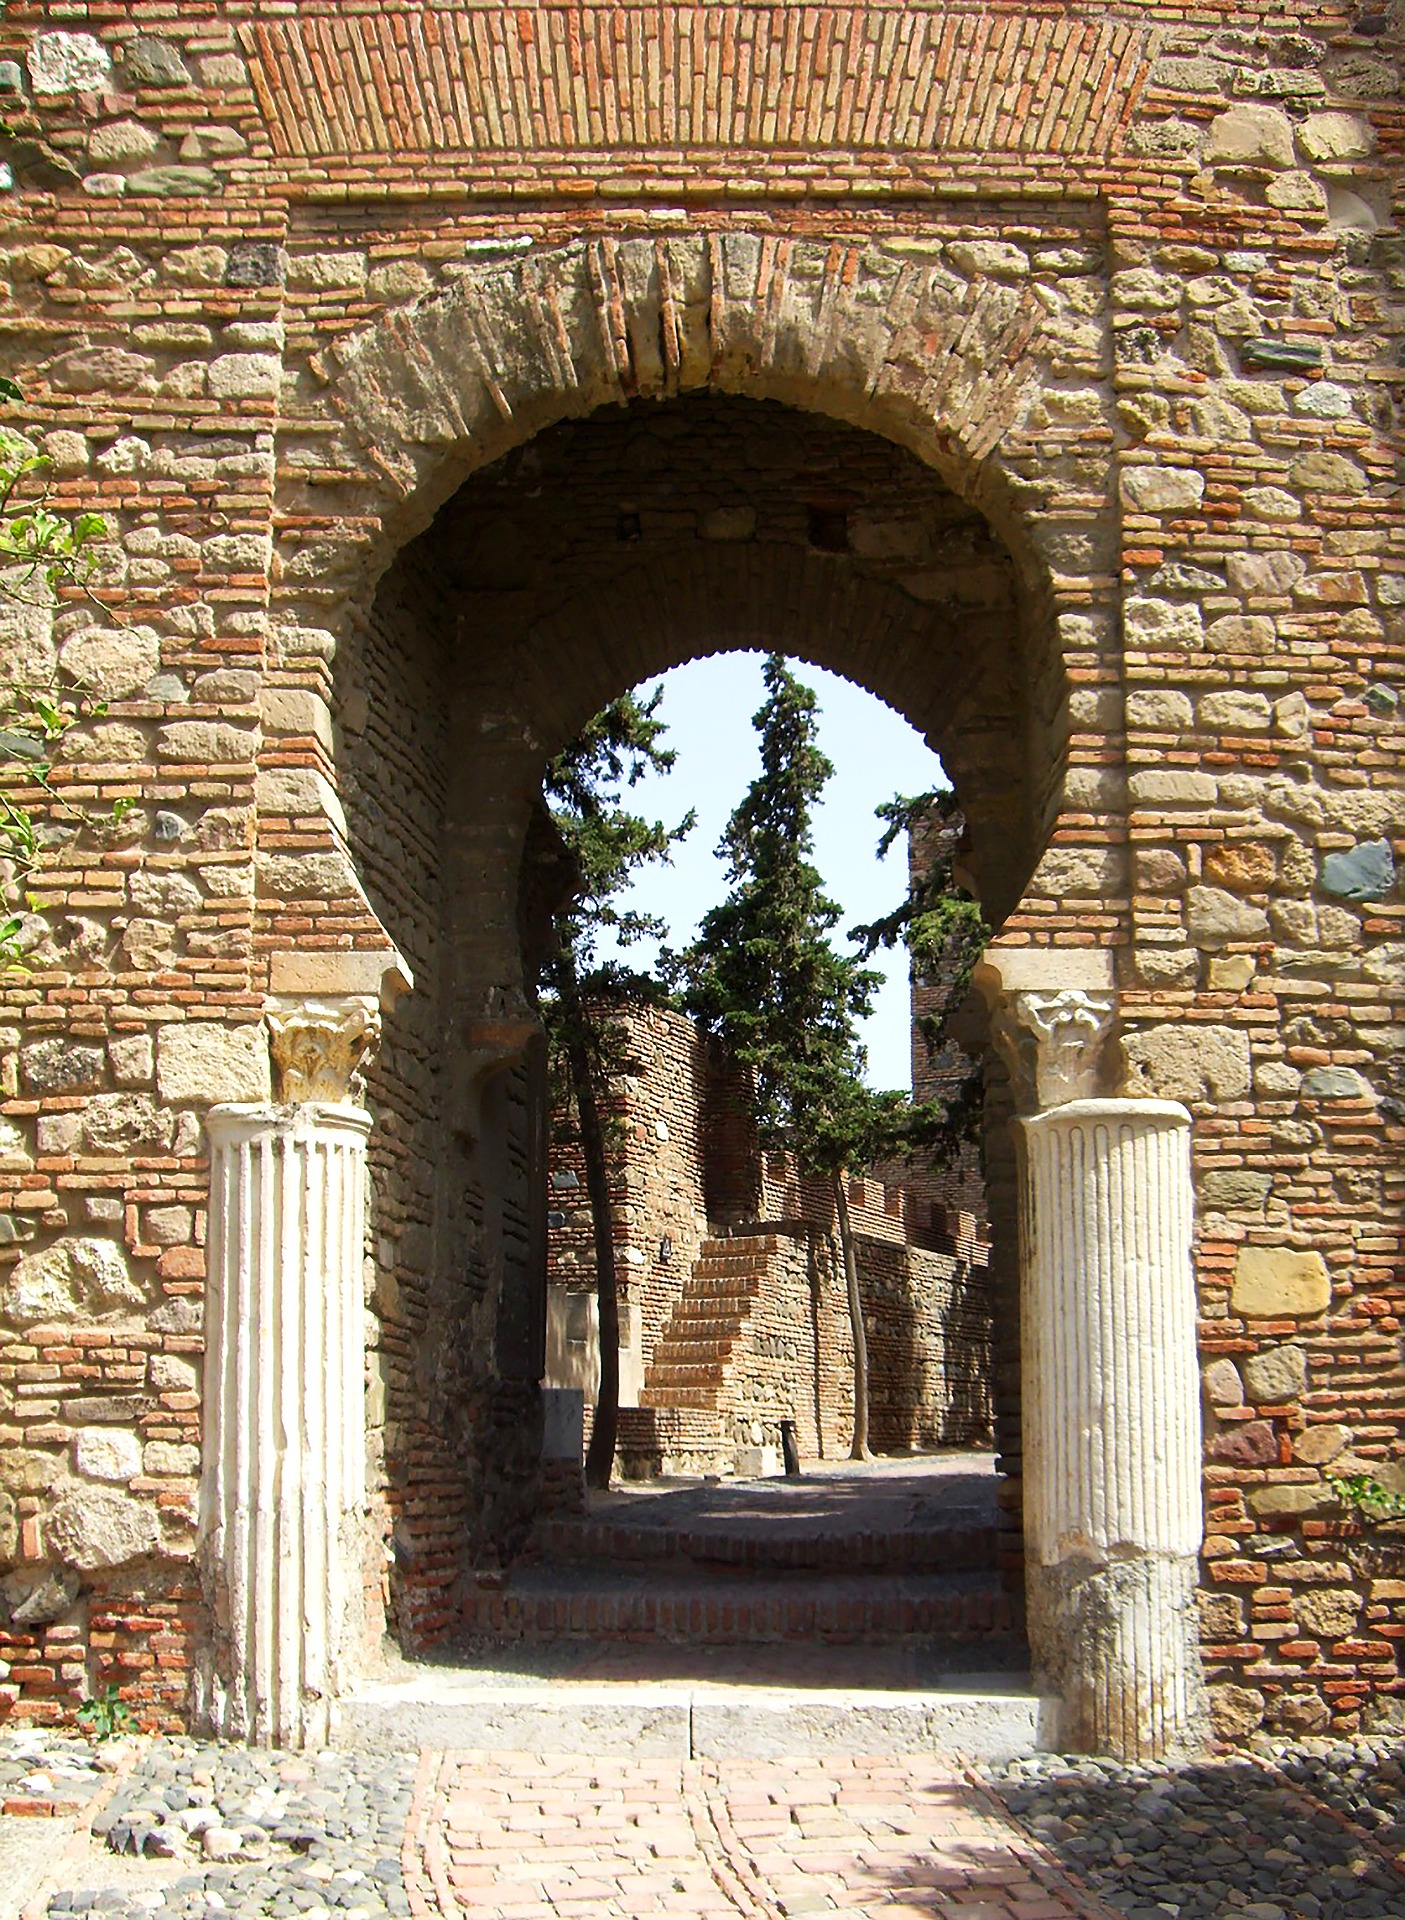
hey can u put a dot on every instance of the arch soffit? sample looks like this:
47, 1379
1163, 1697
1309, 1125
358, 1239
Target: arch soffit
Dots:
887, 336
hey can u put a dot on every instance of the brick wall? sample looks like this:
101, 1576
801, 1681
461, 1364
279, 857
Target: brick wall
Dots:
927, 1304
1106, 308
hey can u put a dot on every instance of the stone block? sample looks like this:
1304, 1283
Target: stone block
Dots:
1328, 1613
1216, 917
1235, 1711
200, 1061
126, 1124
103, 370
150, 61
1252, 138
1241, 866
73, 1277
246, 376
174, 182
1159, 870
1158, 624
168, 1458
1278, 1283
1289, 1502
1270, 574
1335, 136
92, 1531
1365, 872
38, 1598
1192, 1064
1162, 489
1323, 472
1159, 709
1241, 633
61, 1066
133, 1059
1221, 1616
1223, 1386
167, 1373
206, 743
25, 1470
1249, 1443
106, 1453
1272, 503
62, 62
1324, 400
112, 662
1319, 1446
1173, 789
306, 876
1275, 1377
1336, 1083
1234, 711
122, 140
1235, 1187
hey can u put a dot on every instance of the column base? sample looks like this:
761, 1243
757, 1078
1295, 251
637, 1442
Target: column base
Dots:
1117, 1644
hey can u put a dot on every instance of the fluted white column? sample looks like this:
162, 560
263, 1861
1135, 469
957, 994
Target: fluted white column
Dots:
283, 1474
284, 1479
1111, 1411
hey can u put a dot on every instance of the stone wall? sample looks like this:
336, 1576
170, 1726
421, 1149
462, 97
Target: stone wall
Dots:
923, 1269
1069, 430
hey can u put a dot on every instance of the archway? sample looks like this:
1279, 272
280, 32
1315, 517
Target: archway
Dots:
990, 628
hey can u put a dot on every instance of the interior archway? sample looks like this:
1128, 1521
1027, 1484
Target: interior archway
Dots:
605, 551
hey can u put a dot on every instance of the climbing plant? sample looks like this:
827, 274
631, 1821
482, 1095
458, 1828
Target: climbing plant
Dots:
43, 554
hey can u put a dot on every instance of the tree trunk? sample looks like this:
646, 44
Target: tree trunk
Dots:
859, 1449
600, 1454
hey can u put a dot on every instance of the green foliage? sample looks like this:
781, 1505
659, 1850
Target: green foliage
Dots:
945, 934
106, 1715
763, 973
584, 788
42, 553
1367, 1496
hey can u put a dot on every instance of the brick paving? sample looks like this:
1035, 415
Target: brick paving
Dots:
527, 1837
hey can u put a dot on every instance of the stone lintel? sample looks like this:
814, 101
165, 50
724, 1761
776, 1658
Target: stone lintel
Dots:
383, 975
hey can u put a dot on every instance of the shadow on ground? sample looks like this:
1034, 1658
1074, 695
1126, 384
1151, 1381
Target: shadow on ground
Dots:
1312, 1835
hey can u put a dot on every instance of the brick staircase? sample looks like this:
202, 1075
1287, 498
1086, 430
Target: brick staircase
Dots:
780, 1565
678, 1426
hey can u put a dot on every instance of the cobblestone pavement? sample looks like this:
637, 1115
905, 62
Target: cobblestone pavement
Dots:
182, 1830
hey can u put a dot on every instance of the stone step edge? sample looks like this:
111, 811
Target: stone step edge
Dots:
700, 1722
967, 1548
507, 1616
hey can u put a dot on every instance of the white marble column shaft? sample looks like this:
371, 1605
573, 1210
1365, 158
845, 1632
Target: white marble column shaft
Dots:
284, 1480
1111, 1411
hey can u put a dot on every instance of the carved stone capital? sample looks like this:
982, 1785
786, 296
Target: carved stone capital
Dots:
1052, 1041
319, 1046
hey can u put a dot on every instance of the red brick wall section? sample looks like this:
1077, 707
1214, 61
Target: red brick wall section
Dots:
927, 1300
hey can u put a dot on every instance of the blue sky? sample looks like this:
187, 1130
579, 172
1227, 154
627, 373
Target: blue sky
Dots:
707, 706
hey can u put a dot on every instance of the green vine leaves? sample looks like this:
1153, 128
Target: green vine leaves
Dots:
44, 555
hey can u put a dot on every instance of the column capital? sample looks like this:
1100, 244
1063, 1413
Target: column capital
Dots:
319, 1046
1052, 1041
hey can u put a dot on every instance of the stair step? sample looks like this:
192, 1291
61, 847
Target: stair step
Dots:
977, 1716
648, 1604
962, 1546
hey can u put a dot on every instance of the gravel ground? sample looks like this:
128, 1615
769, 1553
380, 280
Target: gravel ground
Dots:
1313, 1831
57, 1769
236, 1833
